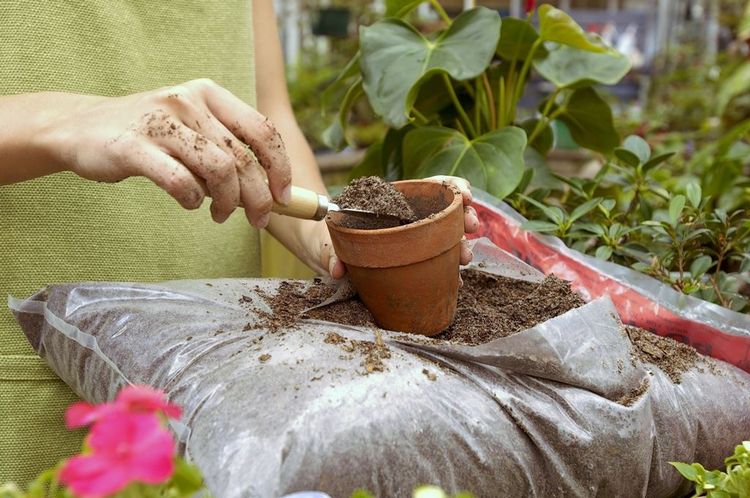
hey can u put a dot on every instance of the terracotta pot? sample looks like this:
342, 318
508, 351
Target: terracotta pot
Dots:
407, 276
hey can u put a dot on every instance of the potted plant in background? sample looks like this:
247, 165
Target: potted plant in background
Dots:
450, 99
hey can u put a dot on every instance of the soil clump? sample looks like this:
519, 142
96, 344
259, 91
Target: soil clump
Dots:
671, 357
490, 306
372, 193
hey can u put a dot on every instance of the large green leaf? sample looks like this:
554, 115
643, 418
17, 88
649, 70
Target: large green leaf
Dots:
516, 39
493, 162
400, 8
589, 120
335, 135
557, 26
570, 67
396, 58
736, 84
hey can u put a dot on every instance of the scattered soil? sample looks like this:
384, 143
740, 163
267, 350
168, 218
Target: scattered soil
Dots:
287, 305
372, 353
430, 375
671, 357
488, 306
633, 396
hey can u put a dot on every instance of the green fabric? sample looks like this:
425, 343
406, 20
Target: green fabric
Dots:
62, 228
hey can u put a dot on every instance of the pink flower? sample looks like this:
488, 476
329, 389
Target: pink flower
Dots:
125, 447
147, 399
141, 399
530, 5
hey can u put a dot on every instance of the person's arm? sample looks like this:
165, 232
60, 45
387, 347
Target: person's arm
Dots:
188, 139
304, 238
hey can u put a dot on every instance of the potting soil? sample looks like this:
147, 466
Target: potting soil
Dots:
274, 403
372, 193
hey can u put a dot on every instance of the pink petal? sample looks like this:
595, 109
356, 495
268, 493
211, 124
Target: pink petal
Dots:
91, 476
146, 398
154, 463
120, 431
80, 414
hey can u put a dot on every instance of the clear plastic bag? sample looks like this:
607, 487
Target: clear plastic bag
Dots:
640, 300
273, 412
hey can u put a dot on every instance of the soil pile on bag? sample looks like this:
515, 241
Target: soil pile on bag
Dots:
672, 357
489, 307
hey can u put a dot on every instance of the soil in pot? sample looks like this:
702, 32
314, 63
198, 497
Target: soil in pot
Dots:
372, 193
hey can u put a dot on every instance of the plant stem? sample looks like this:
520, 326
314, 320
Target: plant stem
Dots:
518, 90
544, 120
459, 107
420, 117
477, 109
501, 103
441, 12
490, 101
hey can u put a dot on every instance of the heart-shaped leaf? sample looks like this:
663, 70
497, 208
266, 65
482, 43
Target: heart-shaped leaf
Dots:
572, 67
492, 162
396, 58
589, 120
557, 26
516, 39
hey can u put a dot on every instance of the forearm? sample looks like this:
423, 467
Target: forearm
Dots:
291, 232
27, 135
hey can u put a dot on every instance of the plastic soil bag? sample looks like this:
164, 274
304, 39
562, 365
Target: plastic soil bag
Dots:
640, 300
274, 404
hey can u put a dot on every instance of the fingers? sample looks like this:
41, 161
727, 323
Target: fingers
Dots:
461, 184
253, 129
471, 220
466, 254
207, 161
166, 172
330, 261
256, 198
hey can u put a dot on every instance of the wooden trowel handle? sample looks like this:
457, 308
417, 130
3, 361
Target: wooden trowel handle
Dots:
304, 204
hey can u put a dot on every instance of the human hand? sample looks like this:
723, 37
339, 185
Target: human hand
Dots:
188, 139
325, 260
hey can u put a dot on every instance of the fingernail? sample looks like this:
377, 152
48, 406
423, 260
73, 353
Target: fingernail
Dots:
262, 222
286, 194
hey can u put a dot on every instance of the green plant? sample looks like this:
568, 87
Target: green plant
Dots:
734, 483
419, 492
636, 213
451, 99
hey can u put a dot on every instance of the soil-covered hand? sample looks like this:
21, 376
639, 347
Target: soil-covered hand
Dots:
320, 240
471, 220
191, 140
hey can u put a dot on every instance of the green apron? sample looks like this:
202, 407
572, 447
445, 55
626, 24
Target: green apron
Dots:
64, 229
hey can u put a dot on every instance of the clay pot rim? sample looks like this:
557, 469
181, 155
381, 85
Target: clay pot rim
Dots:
457, 199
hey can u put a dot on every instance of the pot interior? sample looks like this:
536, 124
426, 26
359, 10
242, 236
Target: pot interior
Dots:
425, 198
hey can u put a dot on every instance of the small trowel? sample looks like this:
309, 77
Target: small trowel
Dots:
308, 205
